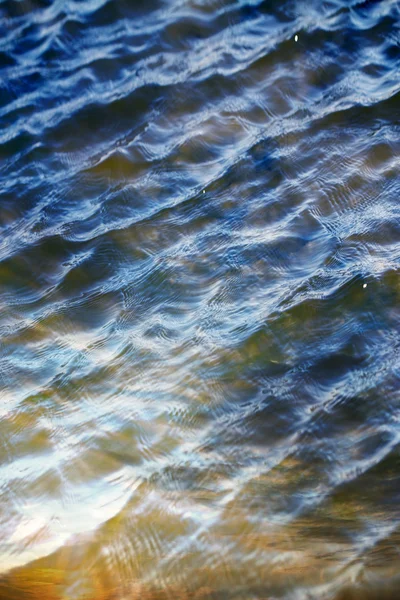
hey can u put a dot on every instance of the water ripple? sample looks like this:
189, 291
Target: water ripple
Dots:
199, 290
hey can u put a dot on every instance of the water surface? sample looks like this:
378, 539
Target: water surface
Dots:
199, 299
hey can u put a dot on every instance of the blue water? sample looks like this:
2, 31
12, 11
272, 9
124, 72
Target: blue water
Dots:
199, 299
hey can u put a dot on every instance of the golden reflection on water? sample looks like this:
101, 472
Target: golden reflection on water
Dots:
154, 548
87, 572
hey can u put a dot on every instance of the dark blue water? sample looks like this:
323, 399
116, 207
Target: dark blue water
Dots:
199, 299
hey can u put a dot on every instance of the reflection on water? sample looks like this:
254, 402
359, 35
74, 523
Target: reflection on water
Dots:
199, 292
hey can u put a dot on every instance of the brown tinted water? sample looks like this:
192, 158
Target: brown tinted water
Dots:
199, 300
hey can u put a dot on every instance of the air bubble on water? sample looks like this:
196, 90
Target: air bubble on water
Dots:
296, 37
364, 285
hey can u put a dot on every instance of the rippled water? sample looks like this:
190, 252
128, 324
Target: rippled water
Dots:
199, 299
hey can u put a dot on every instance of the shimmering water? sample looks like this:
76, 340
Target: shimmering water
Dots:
199, 299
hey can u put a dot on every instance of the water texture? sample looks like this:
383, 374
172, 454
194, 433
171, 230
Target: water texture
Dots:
199, 299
